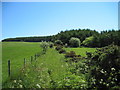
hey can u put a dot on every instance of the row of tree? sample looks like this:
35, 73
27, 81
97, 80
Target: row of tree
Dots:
87, 37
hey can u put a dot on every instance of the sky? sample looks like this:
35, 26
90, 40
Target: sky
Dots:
22, 19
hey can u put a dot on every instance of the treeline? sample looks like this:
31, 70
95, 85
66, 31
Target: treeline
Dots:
29, 39
90, 38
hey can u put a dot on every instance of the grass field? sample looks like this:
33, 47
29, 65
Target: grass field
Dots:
81, 51
51, 61
16, 52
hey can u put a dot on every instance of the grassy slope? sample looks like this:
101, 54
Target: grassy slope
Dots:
16, 52
81, 51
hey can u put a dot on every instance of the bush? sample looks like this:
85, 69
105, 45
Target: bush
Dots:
58, 42
105, 68
58, 47
62, 51
88, 41
44, 46
74, 42
51, 45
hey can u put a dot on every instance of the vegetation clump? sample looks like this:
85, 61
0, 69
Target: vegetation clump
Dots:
44, 46
62, 51
105, 67
58, 42
74, 42
51, 45
58, 47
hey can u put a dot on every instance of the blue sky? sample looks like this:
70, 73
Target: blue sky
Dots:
21, 19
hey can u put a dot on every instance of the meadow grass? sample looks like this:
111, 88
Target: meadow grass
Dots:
54, 62
81, 51
16, 52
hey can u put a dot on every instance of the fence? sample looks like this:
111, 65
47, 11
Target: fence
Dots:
32, 58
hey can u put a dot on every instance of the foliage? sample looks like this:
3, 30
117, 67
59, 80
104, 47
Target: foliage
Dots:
72, 81
66, 45
58, 47
99, 39
62, 51
51, 45
58, 42
74, 42
88, 41
44, 46
105, 67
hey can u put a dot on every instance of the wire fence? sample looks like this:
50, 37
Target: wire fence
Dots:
32, 58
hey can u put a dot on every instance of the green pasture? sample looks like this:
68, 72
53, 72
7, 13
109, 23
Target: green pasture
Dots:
16, 52
81, 51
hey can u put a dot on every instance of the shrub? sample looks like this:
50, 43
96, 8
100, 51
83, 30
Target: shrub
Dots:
62, 51
44, 46
70, 54
74, 42
51, 45
58, 47
105, 69
88, 41
58, 42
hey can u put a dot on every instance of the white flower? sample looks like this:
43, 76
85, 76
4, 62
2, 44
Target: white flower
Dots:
113, 69
20, 81
21, 86
107, 84
14, 81
38, 85
102, 71
101, 79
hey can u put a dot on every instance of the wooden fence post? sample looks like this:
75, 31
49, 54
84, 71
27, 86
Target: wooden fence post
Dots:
24, 62
8, 67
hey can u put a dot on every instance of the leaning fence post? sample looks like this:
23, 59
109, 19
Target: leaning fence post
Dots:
24, 62
8, 67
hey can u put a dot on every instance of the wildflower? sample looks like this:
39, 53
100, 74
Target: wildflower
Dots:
107, 84
38, 85
116, 79
101, 79
14, 81
102, 71
21, 86
20, 81
113, 69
